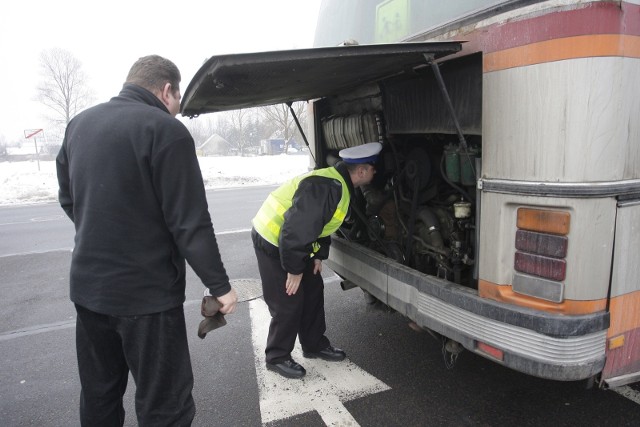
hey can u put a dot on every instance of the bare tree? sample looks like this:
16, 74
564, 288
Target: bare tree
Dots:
198, 130
224, 128
240, 120
243, 128
63, 88
281, 116
3, 145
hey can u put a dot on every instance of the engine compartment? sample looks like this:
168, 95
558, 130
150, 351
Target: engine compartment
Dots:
421, 208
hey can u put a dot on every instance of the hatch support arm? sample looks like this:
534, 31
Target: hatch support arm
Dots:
304, 137
447, 99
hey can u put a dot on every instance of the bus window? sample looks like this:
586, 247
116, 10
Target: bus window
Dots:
387, 21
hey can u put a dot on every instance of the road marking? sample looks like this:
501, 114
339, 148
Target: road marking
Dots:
324, 389
46, 251
628, 392
56, 326
218, 233
48, 218
236, 231
38, 329
36, 219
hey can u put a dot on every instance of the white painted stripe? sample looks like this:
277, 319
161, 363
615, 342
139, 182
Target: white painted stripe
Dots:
241, 186
37, 252
38, 329
218, 233
324, 389
236, 231
37, 219
52, 327
628, 392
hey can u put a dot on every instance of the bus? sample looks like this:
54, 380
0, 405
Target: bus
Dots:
504, 217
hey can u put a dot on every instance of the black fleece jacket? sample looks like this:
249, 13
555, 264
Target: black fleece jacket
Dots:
130, 182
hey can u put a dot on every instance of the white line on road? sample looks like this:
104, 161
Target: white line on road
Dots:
36, 219
628, 392
56, 326
218, 233
324, 389
38, 329
236, 231
46, 251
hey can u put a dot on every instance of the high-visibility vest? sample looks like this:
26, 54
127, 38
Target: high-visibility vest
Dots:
269, 219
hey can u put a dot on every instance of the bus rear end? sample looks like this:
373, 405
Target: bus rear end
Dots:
510, 227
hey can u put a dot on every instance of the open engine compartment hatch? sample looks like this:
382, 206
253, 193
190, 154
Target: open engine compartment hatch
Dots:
231, 82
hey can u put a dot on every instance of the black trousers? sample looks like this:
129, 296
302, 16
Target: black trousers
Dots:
300, 315
153, 348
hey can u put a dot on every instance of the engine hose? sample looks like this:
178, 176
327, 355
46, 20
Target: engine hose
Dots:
432, 249
412, 219
395, 191
364, 220
428, 218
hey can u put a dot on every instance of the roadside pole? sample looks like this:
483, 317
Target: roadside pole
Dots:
28, 133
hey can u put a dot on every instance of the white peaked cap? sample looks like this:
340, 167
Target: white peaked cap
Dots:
365, 153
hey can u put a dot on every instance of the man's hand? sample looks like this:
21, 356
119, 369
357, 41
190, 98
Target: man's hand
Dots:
317, 266
293, 282
228, 302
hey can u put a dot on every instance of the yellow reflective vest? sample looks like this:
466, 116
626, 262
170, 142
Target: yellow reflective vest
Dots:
269, 219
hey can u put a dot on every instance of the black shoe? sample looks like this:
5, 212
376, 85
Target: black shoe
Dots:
288, 368
330, 354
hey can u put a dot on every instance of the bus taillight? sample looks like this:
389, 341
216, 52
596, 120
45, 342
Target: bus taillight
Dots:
489, 350
542, 266
541, 247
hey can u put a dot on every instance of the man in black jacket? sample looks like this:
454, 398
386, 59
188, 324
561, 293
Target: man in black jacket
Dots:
291, 236
130, 182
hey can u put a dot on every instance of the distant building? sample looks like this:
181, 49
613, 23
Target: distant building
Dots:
215, 145
271, 146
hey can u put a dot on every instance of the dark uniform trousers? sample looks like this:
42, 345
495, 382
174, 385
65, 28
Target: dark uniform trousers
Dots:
301, 314
154, 347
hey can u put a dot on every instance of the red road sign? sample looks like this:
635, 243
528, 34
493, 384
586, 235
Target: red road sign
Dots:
28, 133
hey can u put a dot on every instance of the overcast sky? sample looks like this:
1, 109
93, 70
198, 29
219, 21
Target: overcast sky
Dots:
107, 38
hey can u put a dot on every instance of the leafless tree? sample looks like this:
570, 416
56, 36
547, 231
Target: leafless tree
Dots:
198, 129
3, 146
246, 127
63, 88
240, 123
281, 116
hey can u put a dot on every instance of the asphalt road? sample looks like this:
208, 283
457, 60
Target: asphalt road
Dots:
394, 376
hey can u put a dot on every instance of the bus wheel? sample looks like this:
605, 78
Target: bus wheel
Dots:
590, 382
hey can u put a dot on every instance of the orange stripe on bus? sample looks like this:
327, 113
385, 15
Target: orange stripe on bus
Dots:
561, 49
505, 294
625, 315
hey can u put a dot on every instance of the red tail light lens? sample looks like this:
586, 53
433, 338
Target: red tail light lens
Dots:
542, 244
549, 268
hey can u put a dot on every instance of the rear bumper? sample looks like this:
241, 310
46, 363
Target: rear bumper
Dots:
538, 343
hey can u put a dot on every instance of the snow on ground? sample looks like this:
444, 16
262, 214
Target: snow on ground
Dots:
23, 183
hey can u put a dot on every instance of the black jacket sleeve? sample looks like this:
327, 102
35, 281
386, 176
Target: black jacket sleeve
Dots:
325, 244
64, 191
179, 187
314, 204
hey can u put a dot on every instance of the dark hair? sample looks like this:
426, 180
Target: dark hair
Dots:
351, 167
153, 72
